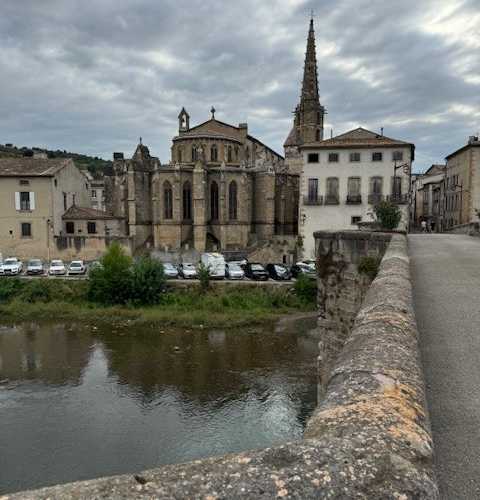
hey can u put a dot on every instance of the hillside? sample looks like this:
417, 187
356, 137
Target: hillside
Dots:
96, 166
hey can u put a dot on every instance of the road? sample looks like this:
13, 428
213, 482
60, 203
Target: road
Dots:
446, 278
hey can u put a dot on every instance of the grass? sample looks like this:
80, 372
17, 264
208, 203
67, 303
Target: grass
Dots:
232, 307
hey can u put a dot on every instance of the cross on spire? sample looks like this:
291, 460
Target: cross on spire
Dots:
140, 140
213, 110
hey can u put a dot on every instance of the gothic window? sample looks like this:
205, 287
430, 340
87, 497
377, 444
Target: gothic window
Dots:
167, 200
214, 153
179, 154
232, 201
187, 201
194, 153
213, 201
317, 135
236, 153
229, 154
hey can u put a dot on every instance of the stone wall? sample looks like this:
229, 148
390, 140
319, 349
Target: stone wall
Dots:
368, 439
341, 286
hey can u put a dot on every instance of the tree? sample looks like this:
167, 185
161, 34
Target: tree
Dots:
148, 281
388, 214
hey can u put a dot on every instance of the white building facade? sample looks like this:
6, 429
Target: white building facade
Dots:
343, 178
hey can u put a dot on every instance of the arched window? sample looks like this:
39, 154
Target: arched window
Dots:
167, 200
229, 154
236, 153
317, 136
213, 201
187, 201
232, 201
214, 153
194, 153
247, 155
179, 154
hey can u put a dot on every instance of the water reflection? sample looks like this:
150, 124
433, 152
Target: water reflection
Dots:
75, 405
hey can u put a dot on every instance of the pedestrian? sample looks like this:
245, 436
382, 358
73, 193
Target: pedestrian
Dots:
424, 226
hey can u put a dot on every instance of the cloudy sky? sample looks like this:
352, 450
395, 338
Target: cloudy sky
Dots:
91, 76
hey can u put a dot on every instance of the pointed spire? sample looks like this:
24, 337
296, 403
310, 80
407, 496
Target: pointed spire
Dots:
310, 79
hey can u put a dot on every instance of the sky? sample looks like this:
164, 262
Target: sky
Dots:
92, 76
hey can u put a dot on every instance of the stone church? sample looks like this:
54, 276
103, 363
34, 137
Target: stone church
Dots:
223, 189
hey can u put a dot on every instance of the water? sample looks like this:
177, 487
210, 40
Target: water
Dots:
78, 402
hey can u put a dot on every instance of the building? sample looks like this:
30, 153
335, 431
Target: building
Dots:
427, 198
97, 190
223, 189
462, 185
34, 194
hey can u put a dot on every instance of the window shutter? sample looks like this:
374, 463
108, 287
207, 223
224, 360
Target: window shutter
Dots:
32, 200
17, 201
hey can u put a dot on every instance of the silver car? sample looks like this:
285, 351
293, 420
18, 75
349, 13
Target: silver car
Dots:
35, 266
77, 267
234, 271
170, 271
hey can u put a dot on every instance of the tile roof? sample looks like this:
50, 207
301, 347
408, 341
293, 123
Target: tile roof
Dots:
82, 213
358, 137
32, 167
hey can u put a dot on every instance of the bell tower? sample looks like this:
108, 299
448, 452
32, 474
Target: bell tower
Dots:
183, 121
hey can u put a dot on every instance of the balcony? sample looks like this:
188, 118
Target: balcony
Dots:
398, 199
332, 200
311, 200
354, 199
375, 198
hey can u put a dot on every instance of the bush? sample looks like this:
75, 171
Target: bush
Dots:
388, 215
111, 283
204, 277
148, 282
369, 266
306, 289
9, 288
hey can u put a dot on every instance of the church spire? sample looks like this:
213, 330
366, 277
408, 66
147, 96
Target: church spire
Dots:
310, 79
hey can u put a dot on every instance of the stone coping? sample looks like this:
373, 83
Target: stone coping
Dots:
368, 439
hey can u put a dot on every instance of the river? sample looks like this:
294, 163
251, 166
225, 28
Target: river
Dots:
82, 401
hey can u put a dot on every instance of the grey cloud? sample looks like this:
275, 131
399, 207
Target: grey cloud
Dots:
93, 75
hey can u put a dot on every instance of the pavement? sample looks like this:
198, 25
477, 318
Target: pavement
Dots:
446, 280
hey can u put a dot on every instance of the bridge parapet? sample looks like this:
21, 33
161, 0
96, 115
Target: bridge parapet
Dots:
368, 439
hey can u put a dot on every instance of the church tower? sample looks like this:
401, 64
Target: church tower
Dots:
309, 114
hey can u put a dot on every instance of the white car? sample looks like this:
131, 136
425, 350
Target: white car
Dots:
35, 266
170, 271
77, 267
234, 271
57, 268
11, 267
188, 270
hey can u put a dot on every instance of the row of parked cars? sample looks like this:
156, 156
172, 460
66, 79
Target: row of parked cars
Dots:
14, 267
238, 270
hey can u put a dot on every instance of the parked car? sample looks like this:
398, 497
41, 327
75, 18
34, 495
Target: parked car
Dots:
234, 271
35, 266
170, 271
57, 268
77, 267
215, 263
300, 268
279, 272
11, 266
255, 271
187, 270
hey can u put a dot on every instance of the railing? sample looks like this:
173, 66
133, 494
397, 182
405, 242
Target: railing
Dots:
398, 199
307, 200
332, 200
375, 198
354, 199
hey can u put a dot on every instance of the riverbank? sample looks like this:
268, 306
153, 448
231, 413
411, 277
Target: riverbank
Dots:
190, 308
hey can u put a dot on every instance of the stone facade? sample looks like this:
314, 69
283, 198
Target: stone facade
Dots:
222, 189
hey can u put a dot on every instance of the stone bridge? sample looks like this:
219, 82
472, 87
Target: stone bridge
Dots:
370, 437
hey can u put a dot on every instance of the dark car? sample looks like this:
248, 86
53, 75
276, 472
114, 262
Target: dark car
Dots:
255, 271
300, 268
278, 272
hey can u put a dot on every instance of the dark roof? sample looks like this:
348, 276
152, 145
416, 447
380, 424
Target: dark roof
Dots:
435, 169
358, 137
32, 167
82, 213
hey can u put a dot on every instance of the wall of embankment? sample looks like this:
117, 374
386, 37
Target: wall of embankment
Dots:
369, 438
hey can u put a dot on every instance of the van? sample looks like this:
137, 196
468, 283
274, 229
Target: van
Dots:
215, 263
